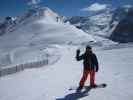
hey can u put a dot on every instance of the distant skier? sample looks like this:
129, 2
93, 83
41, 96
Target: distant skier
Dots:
90, 63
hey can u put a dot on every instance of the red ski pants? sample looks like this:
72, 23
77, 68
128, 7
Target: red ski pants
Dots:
85, 75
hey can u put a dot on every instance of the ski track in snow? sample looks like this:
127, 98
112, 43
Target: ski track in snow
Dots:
53, 82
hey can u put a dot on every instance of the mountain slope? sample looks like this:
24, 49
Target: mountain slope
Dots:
115, 24
36, 29
123, 31
43, 25
97, 25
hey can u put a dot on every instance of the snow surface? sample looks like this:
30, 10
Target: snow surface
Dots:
100, 24
35, 31
41, 34
52, 82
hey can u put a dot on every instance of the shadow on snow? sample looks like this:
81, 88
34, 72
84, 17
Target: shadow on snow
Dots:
76, 95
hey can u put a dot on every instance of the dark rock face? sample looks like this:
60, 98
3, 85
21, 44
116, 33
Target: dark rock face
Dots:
3, 26
124, 30
2, 29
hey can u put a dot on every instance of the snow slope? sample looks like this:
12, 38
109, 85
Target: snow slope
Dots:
42, 27
37, 29
98, 24
53, 82
114, 23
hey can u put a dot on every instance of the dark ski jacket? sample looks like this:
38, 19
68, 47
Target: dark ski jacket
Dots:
89, 61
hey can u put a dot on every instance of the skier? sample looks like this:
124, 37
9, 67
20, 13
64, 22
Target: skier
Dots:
90, 63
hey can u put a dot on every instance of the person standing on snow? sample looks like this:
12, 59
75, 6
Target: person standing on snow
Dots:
90, 63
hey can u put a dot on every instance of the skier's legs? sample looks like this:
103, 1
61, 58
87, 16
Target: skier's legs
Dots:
84, 77
92, 77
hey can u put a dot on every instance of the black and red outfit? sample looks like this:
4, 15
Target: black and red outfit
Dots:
90, 63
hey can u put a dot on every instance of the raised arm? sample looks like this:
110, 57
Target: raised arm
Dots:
78, 56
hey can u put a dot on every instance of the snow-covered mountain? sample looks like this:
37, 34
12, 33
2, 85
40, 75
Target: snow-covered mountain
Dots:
10, 23
43, 34
96, 25
115, 24
35, 30
43, 23
39, 27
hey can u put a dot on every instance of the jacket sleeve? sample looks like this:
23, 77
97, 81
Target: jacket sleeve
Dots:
79, 57
96, 62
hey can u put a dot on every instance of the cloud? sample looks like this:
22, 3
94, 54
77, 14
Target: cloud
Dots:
96, 7
34, 2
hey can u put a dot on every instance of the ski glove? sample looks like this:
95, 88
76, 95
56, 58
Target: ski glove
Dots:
78, 51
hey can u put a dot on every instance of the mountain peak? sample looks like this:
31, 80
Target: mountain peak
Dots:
40, 11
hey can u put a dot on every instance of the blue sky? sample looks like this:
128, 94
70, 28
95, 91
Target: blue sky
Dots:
63, 7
